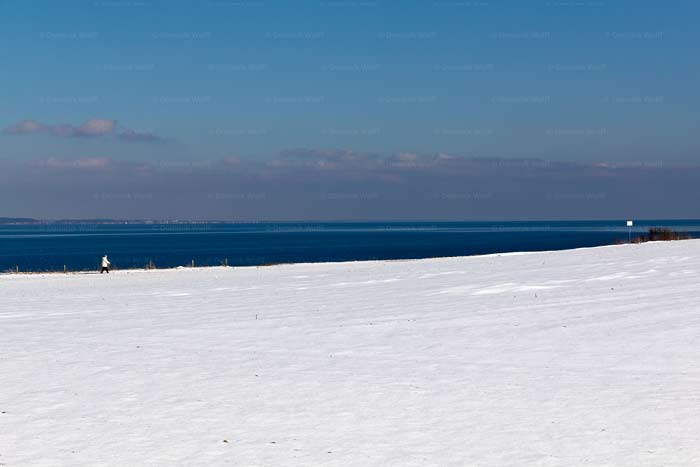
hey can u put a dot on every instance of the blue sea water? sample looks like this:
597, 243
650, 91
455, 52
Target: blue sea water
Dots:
48, 247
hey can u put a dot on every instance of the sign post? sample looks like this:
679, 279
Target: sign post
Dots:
629, 230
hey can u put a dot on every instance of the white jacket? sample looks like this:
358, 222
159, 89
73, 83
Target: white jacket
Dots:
105, 262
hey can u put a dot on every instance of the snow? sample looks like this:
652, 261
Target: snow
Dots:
582, 357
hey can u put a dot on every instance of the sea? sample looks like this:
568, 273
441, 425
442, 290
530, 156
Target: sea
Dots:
80, 247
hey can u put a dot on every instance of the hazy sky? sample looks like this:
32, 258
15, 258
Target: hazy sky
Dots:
248, 109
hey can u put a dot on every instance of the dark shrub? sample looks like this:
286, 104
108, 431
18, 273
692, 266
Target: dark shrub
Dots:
663, 234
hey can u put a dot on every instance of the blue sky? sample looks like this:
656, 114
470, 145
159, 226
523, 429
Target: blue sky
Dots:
189, 83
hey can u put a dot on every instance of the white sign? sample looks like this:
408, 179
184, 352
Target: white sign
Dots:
630, 223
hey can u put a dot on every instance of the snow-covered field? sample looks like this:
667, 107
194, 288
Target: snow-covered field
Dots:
584, 357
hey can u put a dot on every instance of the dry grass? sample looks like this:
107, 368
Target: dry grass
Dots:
657, 234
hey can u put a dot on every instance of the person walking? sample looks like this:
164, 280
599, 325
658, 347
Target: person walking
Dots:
105, 265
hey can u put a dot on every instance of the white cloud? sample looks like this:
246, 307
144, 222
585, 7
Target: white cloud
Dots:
24, 127
96, 127
92, 128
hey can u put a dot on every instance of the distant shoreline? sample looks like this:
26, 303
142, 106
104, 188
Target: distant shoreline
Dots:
34, 221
